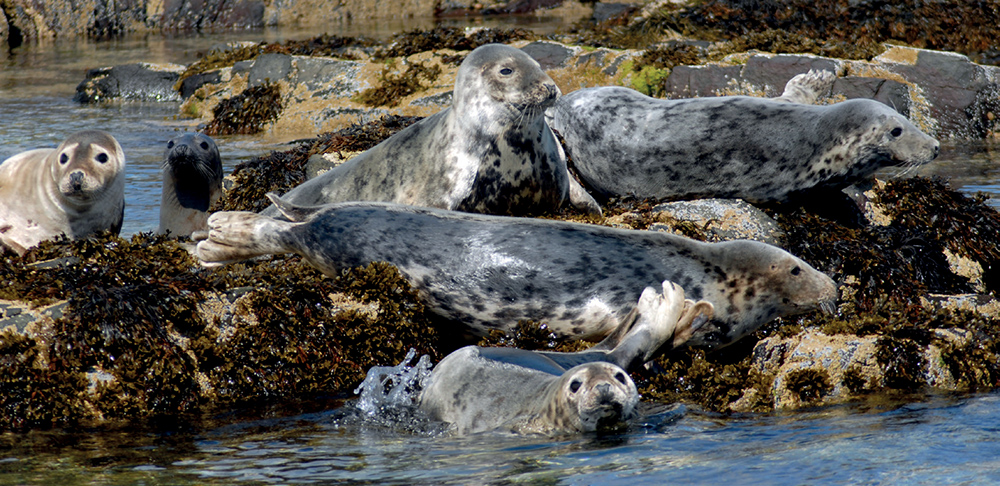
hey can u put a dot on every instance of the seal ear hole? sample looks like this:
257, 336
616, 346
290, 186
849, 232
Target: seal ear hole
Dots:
796, 270
574, 386
102, 158
63, 158
620, 377
896, 132
506, 71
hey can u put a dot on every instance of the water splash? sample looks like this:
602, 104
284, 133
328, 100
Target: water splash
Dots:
393, 387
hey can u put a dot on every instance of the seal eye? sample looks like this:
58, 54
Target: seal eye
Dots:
574, 386
102, 158
796, 271
63, 158
170, 144
204, 145
506, 71
620, 377
896, 132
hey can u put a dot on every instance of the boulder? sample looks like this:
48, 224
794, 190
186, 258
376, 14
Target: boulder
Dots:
130, 82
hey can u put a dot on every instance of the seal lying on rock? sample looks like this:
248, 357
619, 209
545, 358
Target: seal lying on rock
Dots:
491, 152
624, 143
490, 271
192, 181
478, 389
76, 189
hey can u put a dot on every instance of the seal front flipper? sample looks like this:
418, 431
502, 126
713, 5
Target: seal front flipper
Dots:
808, 87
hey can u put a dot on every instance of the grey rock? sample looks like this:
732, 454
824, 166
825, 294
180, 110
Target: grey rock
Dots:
892, 93
772, 72
548, 54
725, 219
604, 11
193, 82
327, 77
132, 82
700, 81
269, 68
440, 99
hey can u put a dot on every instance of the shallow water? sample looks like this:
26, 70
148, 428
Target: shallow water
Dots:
934, 440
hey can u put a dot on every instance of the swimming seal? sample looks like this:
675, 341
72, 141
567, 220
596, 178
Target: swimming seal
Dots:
490, 152
192, 181
76, 189
478, 389
621, 143
489, 272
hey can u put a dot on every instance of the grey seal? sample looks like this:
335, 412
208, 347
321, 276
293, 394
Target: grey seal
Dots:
477, 389
621, 142
490, 152
192, 181
489, 272
76, 189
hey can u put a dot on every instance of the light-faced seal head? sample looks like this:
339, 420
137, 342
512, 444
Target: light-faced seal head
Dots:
509, 77
87, 165
594, 397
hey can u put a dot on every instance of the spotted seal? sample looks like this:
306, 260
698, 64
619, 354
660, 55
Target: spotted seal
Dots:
192, 181
478, 389
76, 189
621, 142
490, 152
489, 272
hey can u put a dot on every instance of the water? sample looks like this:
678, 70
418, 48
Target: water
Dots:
933, 440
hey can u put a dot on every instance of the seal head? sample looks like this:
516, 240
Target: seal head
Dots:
192, 181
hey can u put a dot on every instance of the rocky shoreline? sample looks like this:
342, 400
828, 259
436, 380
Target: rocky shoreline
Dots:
109, 330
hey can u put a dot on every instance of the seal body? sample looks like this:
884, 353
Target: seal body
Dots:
192, 181
490, 272
76, 189
476, 394
621, 142
490, 152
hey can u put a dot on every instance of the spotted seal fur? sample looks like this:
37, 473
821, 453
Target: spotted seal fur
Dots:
478, 389
621, 142
76, 189
490, 152
490, 272
192, 181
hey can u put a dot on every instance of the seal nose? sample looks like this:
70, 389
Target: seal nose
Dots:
76, 180
937, 149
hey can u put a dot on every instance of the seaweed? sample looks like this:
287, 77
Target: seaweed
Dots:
248, 112
392, 88
416, 41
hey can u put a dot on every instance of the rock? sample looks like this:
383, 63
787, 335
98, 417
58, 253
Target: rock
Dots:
211, 14
770, 73
892, 93
952, 84
131, 82
548, 54
723, 219
192, 83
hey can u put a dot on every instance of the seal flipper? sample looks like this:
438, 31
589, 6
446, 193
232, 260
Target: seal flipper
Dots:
293, 213
239, 235
808, 87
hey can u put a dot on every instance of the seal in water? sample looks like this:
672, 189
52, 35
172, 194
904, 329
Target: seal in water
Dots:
621, 143
478, 389
490, 271
490, 152
192, 181
76, 189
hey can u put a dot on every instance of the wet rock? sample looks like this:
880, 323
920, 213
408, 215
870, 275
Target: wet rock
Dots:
130, 82
723, 219
269, 68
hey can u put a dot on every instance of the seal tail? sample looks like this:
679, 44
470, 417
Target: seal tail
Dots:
239, 235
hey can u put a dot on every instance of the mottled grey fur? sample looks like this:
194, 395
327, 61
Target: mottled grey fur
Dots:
490, 272
491, 152
192, 181
624, 143
478, 389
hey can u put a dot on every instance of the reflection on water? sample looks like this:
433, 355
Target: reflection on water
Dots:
968, 166
938, 441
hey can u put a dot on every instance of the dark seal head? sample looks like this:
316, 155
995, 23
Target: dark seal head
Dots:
192, 181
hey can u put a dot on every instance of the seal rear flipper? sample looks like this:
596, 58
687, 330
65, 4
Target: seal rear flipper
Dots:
293, 213
239, 235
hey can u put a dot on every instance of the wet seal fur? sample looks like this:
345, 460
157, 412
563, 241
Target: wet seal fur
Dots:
478, 389
76, 189
192, 181
490, 152
624, 143
490, 272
